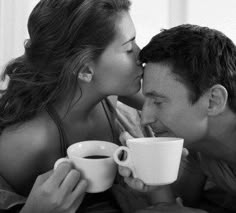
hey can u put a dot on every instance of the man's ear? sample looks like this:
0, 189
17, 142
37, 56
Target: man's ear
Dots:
86, 73
218, 97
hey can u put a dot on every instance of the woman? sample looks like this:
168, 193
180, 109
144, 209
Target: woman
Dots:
80, 52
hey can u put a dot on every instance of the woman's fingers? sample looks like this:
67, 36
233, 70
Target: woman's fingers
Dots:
59, 174
70, 181
73, 199
43, 177
79, 192
77, 202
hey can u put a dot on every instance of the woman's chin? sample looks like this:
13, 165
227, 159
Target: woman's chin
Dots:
134, 89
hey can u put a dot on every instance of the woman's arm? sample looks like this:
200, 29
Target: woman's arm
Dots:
26, 151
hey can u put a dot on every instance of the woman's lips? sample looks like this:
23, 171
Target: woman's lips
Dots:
140, 76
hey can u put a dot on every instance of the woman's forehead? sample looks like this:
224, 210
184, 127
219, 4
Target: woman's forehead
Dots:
125, 29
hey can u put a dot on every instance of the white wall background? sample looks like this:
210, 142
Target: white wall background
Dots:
13, 27
149, 17
218, 14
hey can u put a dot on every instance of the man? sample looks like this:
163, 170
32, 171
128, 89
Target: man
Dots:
190, 92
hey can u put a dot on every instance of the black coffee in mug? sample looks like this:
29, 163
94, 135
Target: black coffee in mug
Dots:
96, 156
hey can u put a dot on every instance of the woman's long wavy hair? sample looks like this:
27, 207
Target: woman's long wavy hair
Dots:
63, 36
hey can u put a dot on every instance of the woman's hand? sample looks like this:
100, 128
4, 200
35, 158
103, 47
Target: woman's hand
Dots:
59, 191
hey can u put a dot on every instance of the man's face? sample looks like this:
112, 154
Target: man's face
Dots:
167, 108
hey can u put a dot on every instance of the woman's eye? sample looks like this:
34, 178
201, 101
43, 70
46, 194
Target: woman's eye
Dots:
130, 51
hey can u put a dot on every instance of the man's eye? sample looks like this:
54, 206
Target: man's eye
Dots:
130, 51
158, 103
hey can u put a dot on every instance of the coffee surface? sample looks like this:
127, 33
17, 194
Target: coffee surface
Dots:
96, 157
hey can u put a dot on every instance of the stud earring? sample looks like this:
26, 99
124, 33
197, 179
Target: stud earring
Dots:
85, 77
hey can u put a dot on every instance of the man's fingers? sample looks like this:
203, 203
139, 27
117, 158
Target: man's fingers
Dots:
179, 201
124, 171
124, 136
135, 183
185, 152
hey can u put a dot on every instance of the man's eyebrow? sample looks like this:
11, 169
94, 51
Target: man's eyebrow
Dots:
154, 94
132, 39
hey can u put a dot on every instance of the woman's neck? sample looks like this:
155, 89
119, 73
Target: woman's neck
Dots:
81, 106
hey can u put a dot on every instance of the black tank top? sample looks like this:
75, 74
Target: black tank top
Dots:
63, 140
103, 202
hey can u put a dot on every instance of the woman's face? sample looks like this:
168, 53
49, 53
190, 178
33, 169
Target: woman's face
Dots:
117, 71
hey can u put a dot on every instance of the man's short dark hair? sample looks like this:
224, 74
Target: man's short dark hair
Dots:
200, 57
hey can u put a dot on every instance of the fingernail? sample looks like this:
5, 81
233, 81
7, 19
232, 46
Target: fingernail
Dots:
139, 184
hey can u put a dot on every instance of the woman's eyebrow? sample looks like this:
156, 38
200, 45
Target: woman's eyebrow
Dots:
132, 39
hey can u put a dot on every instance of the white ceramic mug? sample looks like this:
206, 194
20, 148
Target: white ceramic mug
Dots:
94, 159
154, 160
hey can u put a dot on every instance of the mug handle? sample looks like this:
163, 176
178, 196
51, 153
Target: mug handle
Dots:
61, 160
126, 162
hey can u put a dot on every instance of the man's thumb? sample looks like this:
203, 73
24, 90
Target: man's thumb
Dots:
124, 136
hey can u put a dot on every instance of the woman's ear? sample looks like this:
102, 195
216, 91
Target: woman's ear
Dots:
218, 97
86, 74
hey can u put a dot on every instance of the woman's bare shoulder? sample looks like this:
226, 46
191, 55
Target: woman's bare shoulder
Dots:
28, 149
33, 135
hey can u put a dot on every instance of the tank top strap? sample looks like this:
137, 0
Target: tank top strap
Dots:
111, 116
57, 120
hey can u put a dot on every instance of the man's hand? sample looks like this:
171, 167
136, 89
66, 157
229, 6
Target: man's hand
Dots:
132, 182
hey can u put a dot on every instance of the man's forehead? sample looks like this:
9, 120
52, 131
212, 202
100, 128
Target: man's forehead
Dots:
154, 75
158, 77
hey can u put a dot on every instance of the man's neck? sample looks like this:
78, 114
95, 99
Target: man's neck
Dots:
220, 140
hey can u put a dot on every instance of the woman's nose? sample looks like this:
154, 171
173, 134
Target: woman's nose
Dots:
137, 50
139, 63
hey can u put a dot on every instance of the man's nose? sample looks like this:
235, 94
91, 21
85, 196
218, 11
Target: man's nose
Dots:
147, 115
